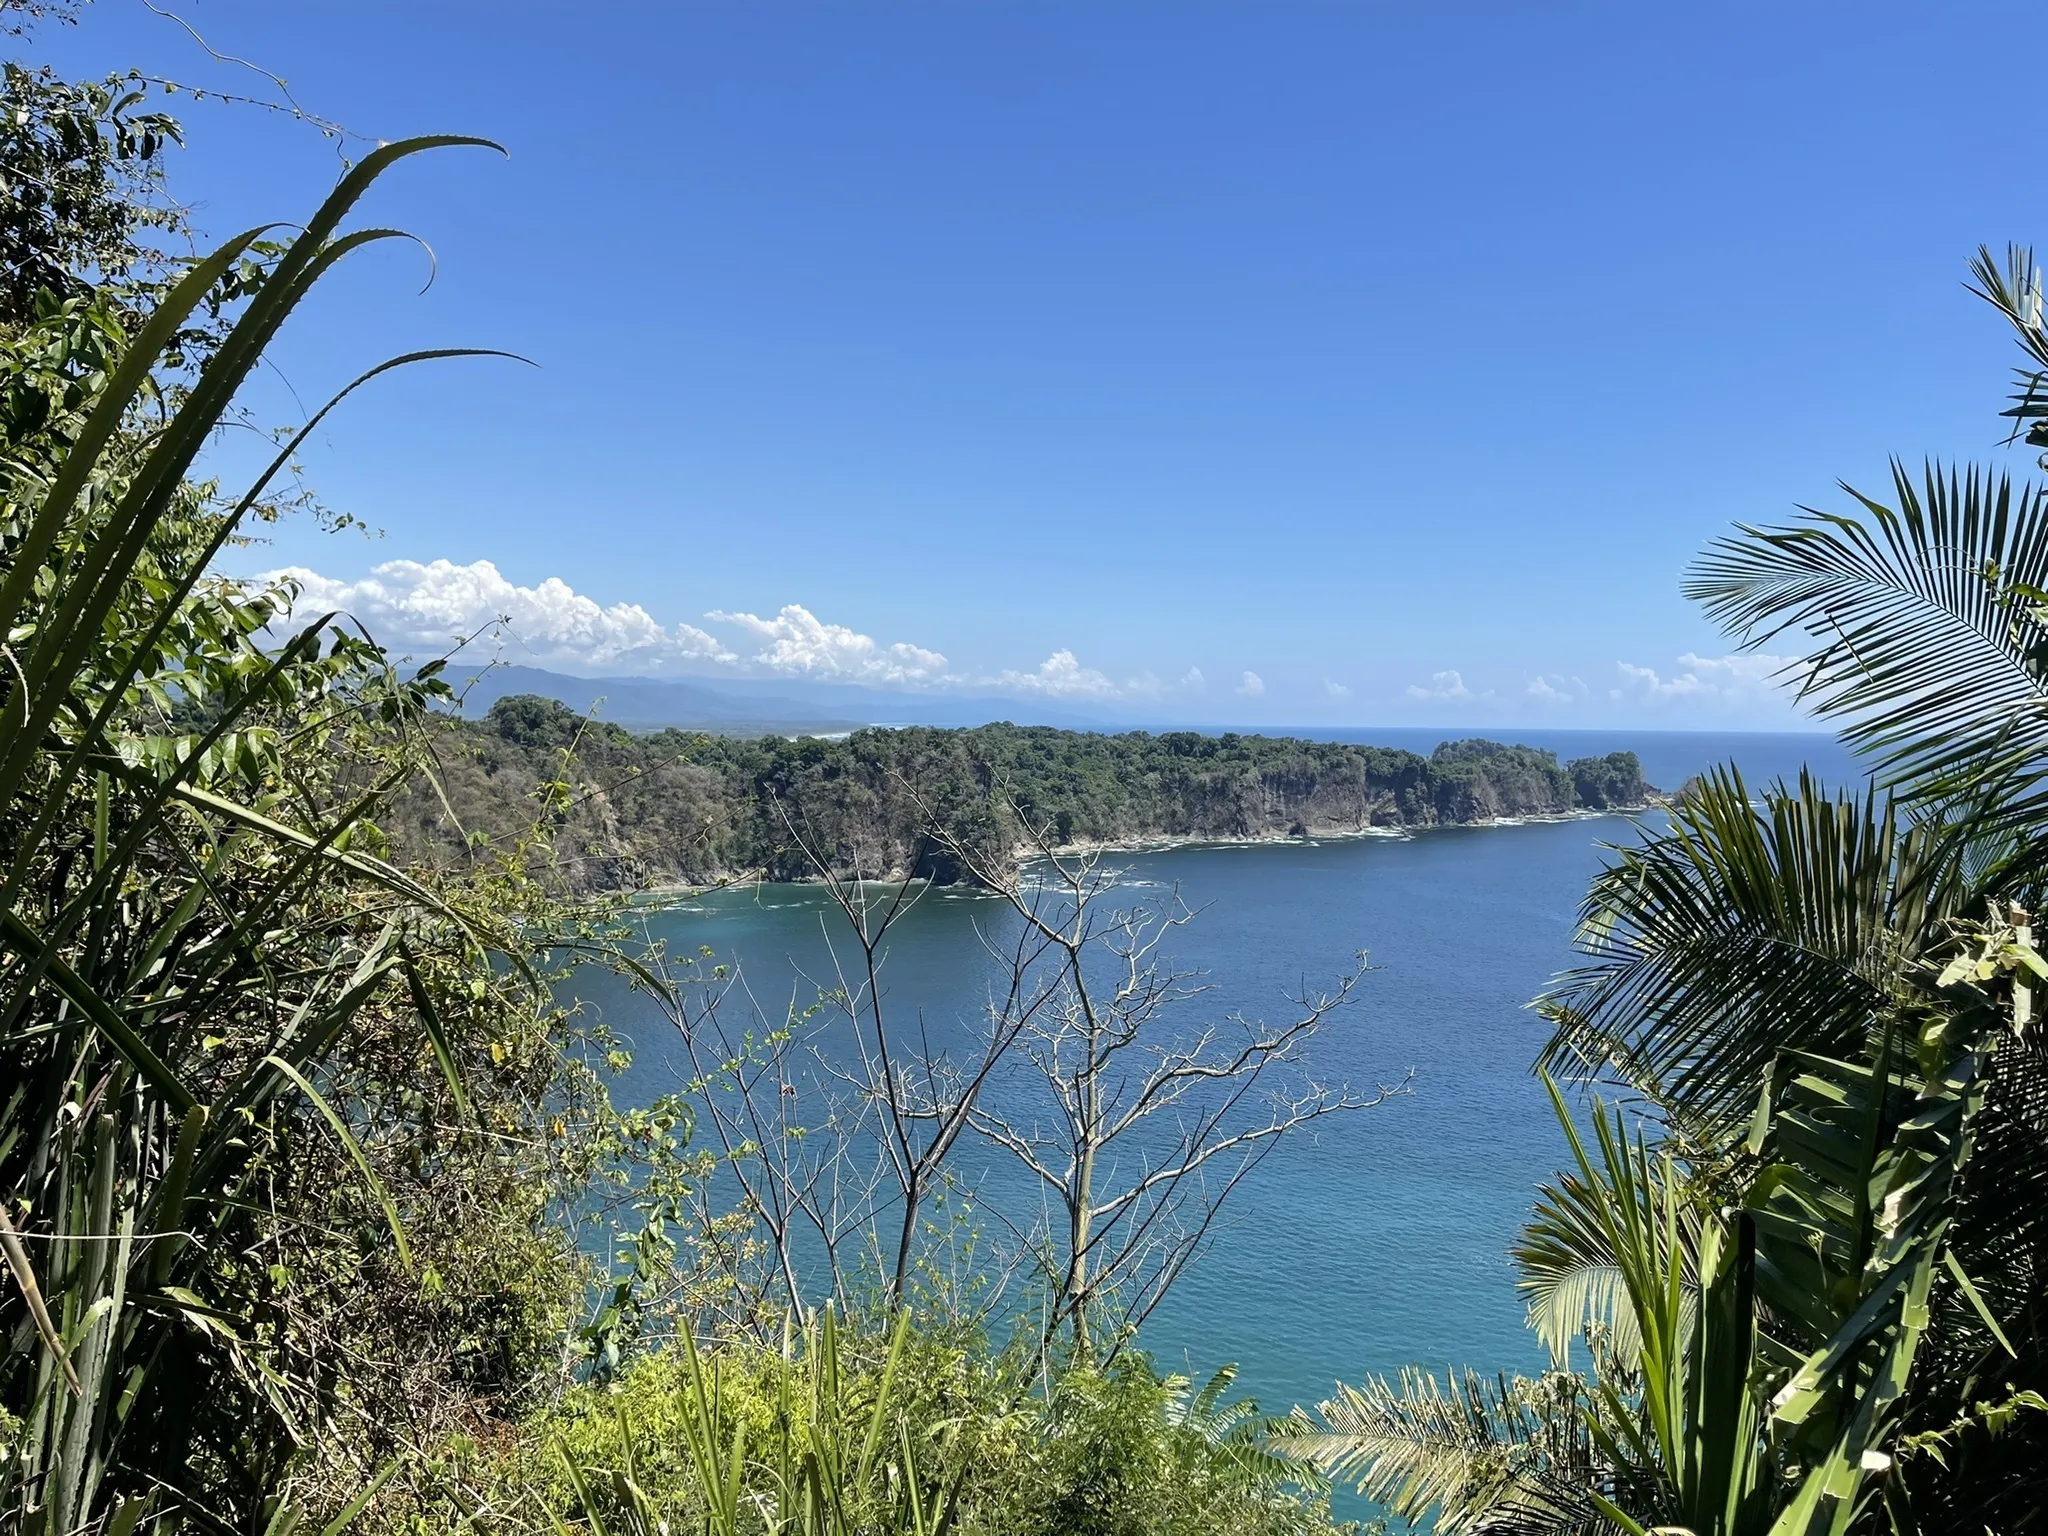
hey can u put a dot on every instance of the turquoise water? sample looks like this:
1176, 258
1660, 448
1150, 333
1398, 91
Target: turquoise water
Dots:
1382, 1242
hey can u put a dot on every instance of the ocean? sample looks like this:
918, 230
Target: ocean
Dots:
1382, 1241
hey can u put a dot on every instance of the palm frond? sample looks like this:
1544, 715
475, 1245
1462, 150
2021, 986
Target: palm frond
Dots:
1741, 931
1924, 625
1233, 1427
1571, 1277
2015, 292
1486, 1454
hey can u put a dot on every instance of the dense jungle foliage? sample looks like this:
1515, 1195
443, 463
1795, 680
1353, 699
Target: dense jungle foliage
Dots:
670, 808
293, 1145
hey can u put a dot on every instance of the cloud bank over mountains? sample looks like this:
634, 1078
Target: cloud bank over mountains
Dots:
430, 607
427, 608
409, 605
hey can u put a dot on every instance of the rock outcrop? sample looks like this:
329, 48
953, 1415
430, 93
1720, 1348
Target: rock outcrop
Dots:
677, 808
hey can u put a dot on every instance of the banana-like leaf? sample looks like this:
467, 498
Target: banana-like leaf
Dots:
1858, 1197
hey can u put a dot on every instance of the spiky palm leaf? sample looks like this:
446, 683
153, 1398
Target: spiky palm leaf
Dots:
1231, 1431
2015, 293
1571, 1276
1496, 1455
1743, 930
1924, 620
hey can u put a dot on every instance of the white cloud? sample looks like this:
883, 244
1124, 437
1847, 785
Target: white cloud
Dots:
407, 605
1336, 690
1059, 676
1552, 689
797, 643
1740, 678
415, 607
1442, 685
1150, 685
428, 608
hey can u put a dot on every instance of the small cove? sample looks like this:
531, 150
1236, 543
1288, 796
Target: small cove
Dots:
1381, 1241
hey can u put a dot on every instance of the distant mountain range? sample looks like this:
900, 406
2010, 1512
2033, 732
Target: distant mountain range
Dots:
734, 707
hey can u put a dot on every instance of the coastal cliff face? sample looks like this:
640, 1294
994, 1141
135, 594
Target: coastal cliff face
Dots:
673, 808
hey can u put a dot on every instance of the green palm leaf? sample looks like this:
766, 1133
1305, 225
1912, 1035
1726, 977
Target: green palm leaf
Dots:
1744, 930
1479, 1454
1571, 1276
1924, 623
2015, 293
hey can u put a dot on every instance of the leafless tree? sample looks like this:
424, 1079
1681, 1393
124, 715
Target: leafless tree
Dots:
923, 1100
1143, 1127
838, 1123
792, 1159
832, 1150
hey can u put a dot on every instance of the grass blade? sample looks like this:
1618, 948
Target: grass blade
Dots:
355, 1152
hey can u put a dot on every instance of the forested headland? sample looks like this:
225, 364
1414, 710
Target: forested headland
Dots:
671, 808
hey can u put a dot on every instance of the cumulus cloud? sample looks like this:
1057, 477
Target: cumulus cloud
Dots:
1739, 678
415, 607
408, 605
1336, 690
1442, 685
797, 643
1253, 684
411, 606
1552, 689
1059, 676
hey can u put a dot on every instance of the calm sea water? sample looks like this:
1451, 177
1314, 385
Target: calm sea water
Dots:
1383, 1241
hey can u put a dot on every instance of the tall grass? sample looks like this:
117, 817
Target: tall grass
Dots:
190, 922
832, 1461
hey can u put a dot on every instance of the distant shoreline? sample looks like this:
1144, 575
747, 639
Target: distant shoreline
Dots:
1083, 848
1165, 843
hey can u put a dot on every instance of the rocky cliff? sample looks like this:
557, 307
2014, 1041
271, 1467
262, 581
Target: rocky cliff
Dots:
675, 808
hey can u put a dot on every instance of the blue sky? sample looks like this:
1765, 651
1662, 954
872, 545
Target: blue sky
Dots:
1397, 358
